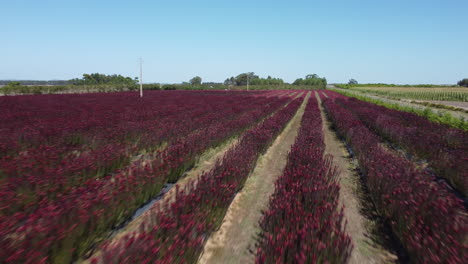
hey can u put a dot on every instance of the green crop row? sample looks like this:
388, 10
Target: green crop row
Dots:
347, 86
423, 95
418, 92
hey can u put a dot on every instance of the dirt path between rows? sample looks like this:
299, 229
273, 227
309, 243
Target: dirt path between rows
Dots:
359, 227
205, 163
235, 240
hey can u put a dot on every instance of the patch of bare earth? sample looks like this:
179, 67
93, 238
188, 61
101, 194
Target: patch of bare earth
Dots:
235, 240
361, 226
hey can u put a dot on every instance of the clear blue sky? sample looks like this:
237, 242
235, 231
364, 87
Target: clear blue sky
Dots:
398, 41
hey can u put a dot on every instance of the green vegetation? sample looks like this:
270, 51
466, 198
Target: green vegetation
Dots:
441, 93
425, 95
53, 89
285, 86
312, 80
37, 82
94, 82
197, 80
103, 88
13, 84
188, 86
439, 117
268, 81
97, 82
16, 88
97, 79
463, 82
354, 85
441, 106
252, 79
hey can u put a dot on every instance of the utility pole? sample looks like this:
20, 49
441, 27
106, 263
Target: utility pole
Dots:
248, 81
141, 77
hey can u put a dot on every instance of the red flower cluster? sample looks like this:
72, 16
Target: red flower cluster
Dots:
177, 231
58, 198
303, 223
430, 222
445, 148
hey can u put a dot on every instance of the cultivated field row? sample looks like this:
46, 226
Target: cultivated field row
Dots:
453, 113
228, 177
419, 93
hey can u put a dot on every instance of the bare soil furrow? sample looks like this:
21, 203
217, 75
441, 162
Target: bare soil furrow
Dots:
368, 246
235, 241
205, 163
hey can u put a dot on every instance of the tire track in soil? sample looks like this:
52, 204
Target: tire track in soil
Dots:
235, 240
368, 246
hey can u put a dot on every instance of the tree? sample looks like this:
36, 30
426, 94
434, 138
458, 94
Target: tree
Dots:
230, 81
268, 81
312, 80
352, 81
312, 76
298, 81
463, 82
97, 78
241, 79
197, 80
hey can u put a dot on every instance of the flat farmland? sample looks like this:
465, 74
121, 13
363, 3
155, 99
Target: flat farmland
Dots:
230, 177
420, 93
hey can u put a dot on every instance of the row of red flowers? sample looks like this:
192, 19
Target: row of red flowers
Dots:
177, 230
46, 171
428, 220
61, 229
445, 148
303, 223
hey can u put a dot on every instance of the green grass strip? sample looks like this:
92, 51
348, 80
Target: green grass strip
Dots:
437, 117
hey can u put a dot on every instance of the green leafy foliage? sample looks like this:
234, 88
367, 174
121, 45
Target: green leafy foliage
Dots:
352, 85
267, 81
417, 92
463, 82
197, 80
312, 80
97, 78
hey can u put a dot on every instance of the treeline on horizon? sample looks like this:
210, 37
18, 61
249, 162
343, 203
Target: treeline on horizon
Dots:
36, 82
97, 82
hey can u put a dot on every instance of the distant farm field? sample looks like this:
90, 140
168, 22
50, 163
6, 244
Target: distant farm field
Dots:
229, 177
419, 93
